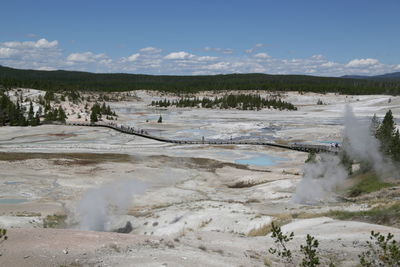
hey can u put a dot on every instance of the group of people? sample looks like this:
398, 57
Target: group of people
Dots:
128, 128
336, 145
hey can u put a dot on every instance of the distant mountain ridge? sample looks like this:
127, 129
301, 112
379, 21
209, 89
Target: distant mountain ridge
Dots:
387, 76
60, 80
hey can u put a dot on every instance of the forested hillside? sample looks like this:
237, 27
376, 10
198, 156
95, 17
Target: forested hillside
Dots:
72, 80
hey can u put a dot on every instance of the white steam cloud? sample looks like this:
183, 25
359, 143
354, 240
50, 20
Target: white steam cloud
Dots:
320, 180
361, 146
98, 205
323, 177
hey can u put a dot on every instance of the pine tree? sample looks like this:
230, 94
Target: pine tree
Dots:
61, 114
159, 119
386, 131
103, 109
40, 111
93, 117
37, 119
30, 113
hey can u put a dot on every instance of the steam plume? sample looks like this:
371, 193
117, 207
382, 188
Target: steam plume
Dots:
321, 178
99, 204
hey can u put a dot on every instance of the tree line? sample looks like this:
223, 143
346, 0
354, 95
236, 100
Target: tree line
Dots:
16, 114
241, 102
85, 81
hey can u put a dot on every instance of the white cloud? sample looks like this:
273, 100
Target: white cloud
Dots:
179, 55
6, 52
206, 58
87, 57
328, 64
46, 68
261, 55
31, 54
218, 66
133, 57
357, 63
41, 43
151, 50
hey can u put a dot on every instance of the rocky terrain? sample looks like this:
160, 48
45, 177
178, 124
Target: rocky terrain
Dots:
66, 189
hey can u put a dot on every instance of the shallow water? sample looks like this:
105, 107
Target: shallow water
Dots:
260, 160
329, 142
13, 182
12, 200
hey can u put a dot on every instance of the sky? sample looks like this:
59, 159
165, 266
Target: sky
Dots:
189, 37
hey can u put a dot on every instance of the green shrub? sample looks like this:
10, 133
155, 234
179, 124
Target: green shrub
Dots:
281, 241
382, 251
311, 258
369, 182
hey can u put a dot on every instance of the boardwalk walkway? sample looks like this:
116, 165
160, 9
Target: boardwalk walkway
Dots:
143, 133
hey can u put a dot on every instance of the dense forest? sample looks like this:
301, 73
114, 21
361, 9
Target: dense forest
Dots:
241, 102
85, 81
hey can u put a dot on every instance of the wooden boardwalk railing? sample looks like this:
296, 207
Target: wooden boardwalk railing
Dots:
145, 134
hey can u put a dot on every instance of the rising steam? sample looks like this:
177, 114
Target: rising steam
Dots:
320, 180
98, 205
323, 177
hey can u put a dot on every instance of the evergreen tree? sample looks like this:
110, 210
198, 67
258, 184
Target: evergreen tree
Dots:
159, 119
30, 113
49, 96
37, 119
61, 114
93, 116
103, 109
386, 131
40, 111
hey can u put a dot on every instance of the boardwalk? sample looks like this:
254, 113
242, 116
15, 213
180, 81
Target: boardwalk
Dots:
143, 133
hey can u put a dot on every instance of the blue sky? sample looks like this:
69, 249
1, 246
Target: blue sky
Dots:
329, 38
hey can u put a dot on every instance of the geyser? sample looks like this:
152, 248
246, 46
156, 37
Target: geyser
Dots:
322, 177
98, 205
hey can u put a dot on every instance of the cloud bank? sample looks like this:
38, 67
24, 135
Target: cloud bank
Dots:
48, 55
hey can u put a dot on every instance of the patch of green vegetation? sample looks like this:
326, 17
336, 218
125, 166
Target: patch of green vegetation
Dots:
280, 220
369, 182
386, 215
311, 157
241, 102
73, 264
54, 221
381, 251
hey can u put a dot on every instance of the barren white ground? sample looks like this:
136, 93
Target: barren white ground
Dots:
193, 212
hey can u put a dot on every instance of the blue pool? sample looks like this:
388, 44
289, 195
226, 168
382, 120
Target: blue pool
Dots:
260, 160
12, 200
